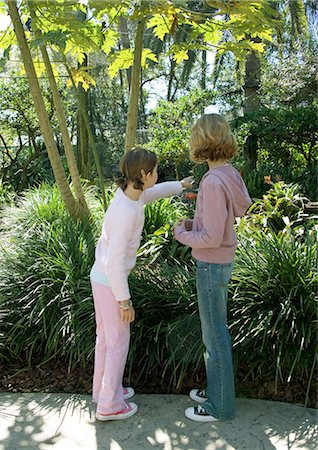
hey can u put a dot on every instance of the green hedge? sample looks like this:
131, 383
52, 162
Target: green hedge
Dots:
46, 304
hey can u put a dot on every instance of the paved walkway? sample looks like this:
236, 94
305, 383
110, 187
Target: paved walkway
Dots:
65, 421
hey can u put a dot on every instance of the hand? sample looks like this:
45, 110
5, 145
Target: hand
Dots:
178, 224
187, 182
188, 223
126, 315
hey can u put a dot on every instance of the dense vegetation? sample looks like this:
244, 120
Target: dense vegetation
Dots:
47, 308
262, 78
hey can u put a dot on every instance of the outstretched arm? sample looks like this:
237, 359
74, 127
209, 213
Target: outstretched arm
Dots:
166, 189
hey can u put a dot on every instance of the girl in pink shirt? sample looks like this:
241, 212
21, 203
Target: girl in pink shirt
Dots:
115, 257
222, 196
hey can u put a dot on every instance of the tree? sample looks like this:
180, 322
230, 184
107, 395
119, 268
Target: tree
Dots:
79, 195
202, 30
132, 115
73, 207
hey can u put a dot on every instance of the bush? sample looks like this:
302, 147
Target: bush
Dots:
45, 296
46, 302
166, 337
274, 305
281, 206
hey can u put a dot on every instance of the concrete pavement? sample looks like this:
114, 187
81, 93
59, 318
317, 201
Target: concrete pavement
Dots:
39, 421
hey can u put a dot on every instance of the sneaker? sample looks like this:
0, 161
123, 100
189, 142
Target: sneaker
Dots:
128, 392
198, 395
129, 411
199, 414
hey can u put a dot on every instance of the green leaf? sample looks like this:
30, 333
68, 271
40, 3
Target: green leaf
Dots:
161, 24
147, 54
5, 58
110, 39
7, 38
180, 56
122, 60
212, 36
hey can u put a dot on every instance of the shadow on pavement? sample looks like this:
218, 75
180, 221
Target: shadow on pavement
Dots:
67, 421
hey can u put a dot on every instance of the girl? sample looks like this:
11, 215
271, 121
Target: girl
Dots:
115, 257
222, 197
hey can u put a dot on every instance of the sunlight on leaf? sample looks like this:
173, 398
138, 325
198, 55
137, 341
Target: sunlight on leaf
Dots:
122, 60
110, 39
181, 56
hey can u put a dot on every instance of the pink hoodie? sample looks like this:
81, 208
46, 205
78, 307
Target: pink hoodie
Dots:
222, 197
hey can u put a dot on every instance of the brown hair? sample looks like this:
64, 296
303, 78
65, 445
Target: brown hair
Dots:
211, 138
131, 164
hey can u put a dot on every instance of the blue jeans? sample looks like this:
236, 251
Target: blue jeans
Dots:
212, 290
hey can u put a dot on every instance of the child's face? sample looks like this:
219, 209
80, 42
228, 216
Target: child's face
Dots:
151, 178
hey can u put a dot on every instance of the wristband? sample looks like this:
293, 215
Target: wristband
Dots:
125, 307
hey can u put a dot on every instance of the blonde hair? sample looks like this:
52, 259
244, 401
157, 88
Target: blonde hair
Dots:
211, 138
131, 164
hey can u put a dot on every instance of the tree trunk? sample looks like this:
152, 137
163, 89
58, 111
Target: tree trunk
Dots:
44, 121
62, 123
171, 78
203, 70
132, 116
84, 115
82, 135
251, 87
124, 37
298, 18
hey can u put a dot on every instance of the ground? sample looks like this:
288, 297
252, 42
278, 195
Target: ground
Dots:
55, 377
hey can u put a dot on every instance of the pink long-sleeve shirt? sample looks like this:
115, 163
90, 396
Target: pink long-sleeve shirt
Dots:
222, 196
116, 250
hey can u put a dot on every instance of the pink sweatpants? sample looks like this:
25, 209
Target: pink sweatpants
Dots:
111, 350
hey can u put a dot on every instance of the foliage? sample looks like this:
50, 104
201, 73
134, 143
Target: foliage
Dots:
288, 76
274, 306
6, 195
75, 36
165, 211
286, 146
285, 134
23, 159
108, 116
46, 302
44, 292
169, 129
281, 206
167, 322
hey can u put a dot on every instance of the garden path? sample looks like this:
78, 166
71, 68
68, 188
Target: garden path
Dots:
39, 421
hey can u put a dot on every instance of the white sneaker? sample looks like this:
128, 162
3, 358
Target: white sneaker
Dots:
199, 414
198, 395
128, 392
129, 411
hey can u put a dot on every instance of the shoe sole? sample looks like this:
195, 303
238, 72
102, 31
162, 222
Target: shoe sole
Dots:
102, 418
129, 395
197, 399
202, 419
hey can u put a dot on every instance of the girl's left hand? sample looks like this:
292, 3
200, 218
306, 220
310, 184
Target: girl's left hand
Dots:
178, 224
127, 315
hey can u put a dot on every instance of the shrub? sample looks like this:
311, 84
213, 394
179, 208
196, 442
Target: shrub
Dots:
45, 295
166, 336
46, 303
281, 206
274, 305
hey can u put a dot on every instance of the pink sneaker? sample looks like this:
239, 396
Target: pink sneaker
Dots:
129, 411
128, 392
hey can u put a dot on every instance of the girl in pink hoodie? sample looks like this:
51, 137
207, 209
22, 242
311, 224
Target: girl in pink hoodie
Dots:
222, 196
115, 257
